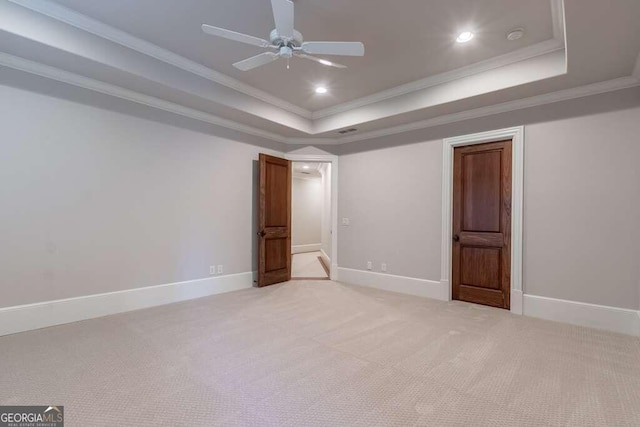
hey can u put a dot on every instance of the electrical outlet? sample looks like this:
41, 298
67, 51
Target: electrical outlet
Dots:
220, 269
212, 270
383, 267
369, 265
345, 221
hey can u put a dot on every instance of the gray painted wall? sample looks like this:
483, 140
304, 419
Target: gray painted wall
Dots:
306, 211
96, 201
581, 209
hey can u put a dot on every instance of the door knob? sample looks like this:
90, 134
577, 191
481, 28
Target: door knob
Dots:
456, 238
261, 233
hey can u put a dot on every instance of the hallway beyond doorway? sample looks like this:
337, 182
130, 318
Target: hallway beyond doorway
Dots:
308, 265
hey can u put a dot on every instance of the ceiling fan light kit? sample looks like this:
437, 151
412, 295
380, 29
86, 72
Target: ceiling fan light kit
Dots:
286, 42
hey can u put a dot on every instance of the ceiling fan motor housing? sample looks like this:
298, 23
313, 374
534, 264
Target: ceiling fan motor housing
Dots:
276, 40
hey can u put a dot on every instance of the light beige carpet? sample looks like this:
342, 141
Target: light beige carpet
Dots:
307, 265
321, 353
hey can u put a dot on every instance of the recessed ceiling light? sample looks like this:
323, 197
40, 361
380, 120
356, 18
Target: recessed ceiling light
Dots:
305, 167
321, 89
464, 37
325, 62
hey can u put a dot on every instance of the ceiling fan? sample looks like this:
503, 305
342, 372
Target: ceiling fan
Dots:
286, 42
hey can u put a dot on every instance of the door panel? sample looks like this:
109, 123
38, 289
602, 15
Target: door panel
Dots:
481, 188
481, 257
276, 191
480, 267
274, 218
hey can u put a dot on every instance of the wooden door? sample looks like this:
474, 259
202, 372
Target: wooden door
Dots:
274, 219
482, 224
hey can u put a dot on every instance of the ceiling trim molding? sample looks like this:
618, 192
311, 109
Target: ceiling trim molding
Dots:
311, 141
519, 55
67, 77
519, 104
558, 18
636, 69
100, 29
538, 49
63, 76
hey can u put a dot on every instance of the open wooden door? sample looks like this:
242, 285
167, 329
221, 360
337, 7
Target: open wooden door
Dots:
274, 219
482, 224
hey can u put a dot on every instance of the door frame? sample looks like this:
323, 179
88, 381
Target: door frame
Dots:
516, 134
326, 158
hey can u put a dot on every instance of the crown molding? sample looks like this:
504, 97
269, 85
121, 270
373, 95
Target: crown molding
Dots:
100, 29
636, 69
63, 76
67, 77
312, 141
557, 17
539, 49
519, 104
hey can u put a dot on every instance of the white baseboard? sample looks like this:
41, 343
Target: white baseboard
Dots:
334, 272
325, 257
515, 301
389, 282
50, 313
621, 320
299, 249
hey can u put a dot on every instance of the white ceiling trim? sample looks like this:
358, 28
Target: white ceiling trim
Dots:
100, 29
57, 74
53, 73
538, 49
529, 52
557, 15
636, 69
519, 104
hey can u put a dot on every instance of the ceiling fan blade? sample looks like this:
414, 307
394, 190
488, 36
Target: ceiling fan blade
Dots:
320, 60
232, 35
283, 17
256, 61
334, 48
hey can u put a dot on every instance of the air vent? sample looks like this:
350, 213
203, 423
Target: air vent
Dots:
343, 131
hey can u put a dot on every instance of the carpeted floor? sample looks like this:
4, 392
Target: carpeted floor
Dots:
321, 353
307, 265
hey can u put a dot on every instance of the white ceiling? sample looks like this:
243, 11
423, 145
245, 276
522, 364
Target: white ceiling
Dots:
413, 74
404, 41
312, 170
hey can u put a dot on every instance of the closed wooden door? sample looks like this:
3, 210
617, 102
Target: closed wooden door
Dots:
274, 219
482, 224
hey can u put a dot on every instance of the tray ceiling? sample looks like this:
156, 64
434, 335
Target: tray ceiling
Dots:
405, 41
412, 76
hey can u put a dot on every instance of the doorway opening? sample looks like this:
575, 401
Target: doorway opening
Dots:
311, 220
